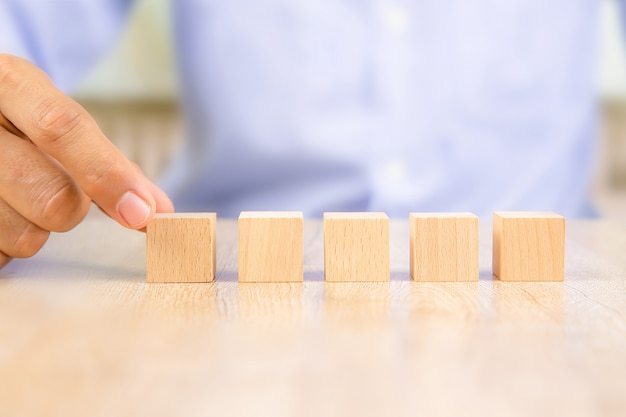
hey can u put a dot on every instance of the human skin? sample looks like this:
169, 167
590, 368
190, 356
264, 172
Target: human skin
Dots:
54, 160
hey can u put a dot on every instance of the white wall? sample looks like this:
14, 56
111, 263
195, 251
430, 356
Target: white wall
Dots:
611, 51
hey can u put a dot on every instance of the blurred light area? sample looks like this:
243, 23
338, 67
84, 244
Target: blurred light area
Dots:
133, 95
141, 66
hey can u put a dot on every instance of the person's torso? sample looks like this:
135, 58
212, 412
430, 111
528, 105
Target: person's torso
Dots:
386, 106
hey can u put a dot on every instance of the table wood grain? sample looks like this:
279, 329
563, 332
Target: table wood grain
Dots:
83, 334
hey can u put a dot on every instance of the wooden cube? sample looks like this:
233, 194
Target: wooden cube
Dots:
180, 247
443, 246
528, 246
356, 247
271, 246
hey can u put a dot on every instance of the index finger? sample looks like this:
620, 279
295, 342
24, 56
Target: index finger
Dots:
63, 129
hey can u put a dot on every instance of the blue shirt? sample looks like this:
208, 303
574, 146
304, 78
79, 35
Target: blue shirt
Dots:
394, 106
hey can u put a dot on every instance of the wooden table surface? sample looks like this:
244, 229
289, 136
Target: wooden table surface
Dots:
82, 334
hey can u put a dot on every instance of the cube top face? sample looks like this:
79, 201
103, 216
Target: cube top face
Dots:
159, 216
271, 247
271, 215
444, 247
529, 247
355, 216
356, 247
426, 215
527, 215
180, 247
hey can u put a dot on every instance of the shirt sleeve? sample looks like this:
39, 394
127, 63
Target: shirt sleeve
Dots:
63, 37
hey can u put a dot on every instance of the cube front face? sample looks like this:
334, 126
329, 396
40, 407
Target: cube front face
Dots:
356, 247
528, 246
271, 247
180, 247
443, 246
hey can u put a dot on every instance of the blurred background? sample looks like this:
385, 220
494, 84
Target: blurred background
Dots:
133, 93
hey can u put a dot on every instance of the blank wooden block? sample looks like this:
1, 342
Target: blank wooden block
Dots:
180, 247
356, 247
528, 246
271, 246
444, 246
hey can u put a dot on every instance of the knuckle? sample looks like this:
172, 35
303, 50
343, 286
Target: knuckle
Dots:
61, 205
99, 174
29, 241
57, 119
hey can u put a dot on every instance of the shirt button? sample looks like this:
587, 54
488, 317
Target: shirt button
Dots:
395, 171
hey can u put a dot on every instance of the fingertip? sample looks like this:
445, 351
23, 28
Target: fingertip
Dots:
163, 203
165, 206
134, 210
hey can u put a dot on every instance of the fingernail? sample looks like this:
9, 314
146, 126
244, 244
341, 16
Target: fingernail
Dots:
133, 209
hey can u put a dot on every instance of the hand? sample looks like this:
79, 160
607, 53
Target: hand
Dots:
54, 160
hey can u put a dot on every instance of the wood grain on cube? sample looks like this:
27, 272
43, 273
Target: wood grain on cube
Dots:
528, 246
443, 246
180, 247
271, 246
356, 247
